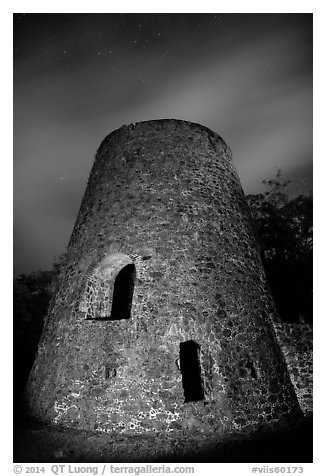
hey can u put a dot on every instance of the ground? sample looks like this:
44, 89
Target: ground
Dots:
35, 443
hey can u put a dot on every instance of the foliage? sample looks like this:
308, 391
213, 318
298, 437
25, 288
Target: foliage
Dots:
32, 294
283, 228
284, 231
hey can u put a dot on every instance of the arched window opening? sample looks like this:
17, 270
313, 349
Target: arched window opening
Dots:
109, 289
123, 292
191, 371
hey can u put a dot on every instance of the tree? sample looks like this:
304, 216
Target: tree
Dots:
32, 294
284, 231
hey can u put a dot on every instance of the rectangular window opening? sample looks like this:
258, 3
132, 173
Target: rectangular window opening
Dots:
191, 371
109, 372
247, 369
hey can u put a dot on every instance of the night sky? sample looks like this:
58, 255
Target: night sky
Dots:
77, 77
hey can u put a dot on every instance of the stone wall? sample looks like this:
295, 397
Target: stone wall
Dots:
296, 341
164, 225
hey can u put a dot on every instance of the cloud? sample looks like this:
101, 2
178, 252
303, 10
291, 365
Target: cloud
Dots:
254, 89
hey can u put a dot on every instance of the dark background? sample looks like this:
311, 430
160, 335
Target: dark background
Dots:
77, 77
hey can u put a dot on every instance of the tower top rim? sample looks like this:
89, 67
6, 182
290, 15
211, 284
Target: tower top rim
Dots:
131, 131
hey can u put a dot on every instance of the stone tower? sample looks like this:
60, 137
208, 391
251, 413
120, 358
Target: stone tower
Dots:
162, 317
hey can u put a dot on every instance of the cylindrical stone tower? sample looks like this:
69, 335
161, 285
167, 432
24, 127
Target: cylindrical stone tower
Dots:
162, 317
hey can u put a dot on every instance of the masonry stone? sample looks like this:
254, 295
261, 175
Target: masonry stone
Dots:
162, 320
